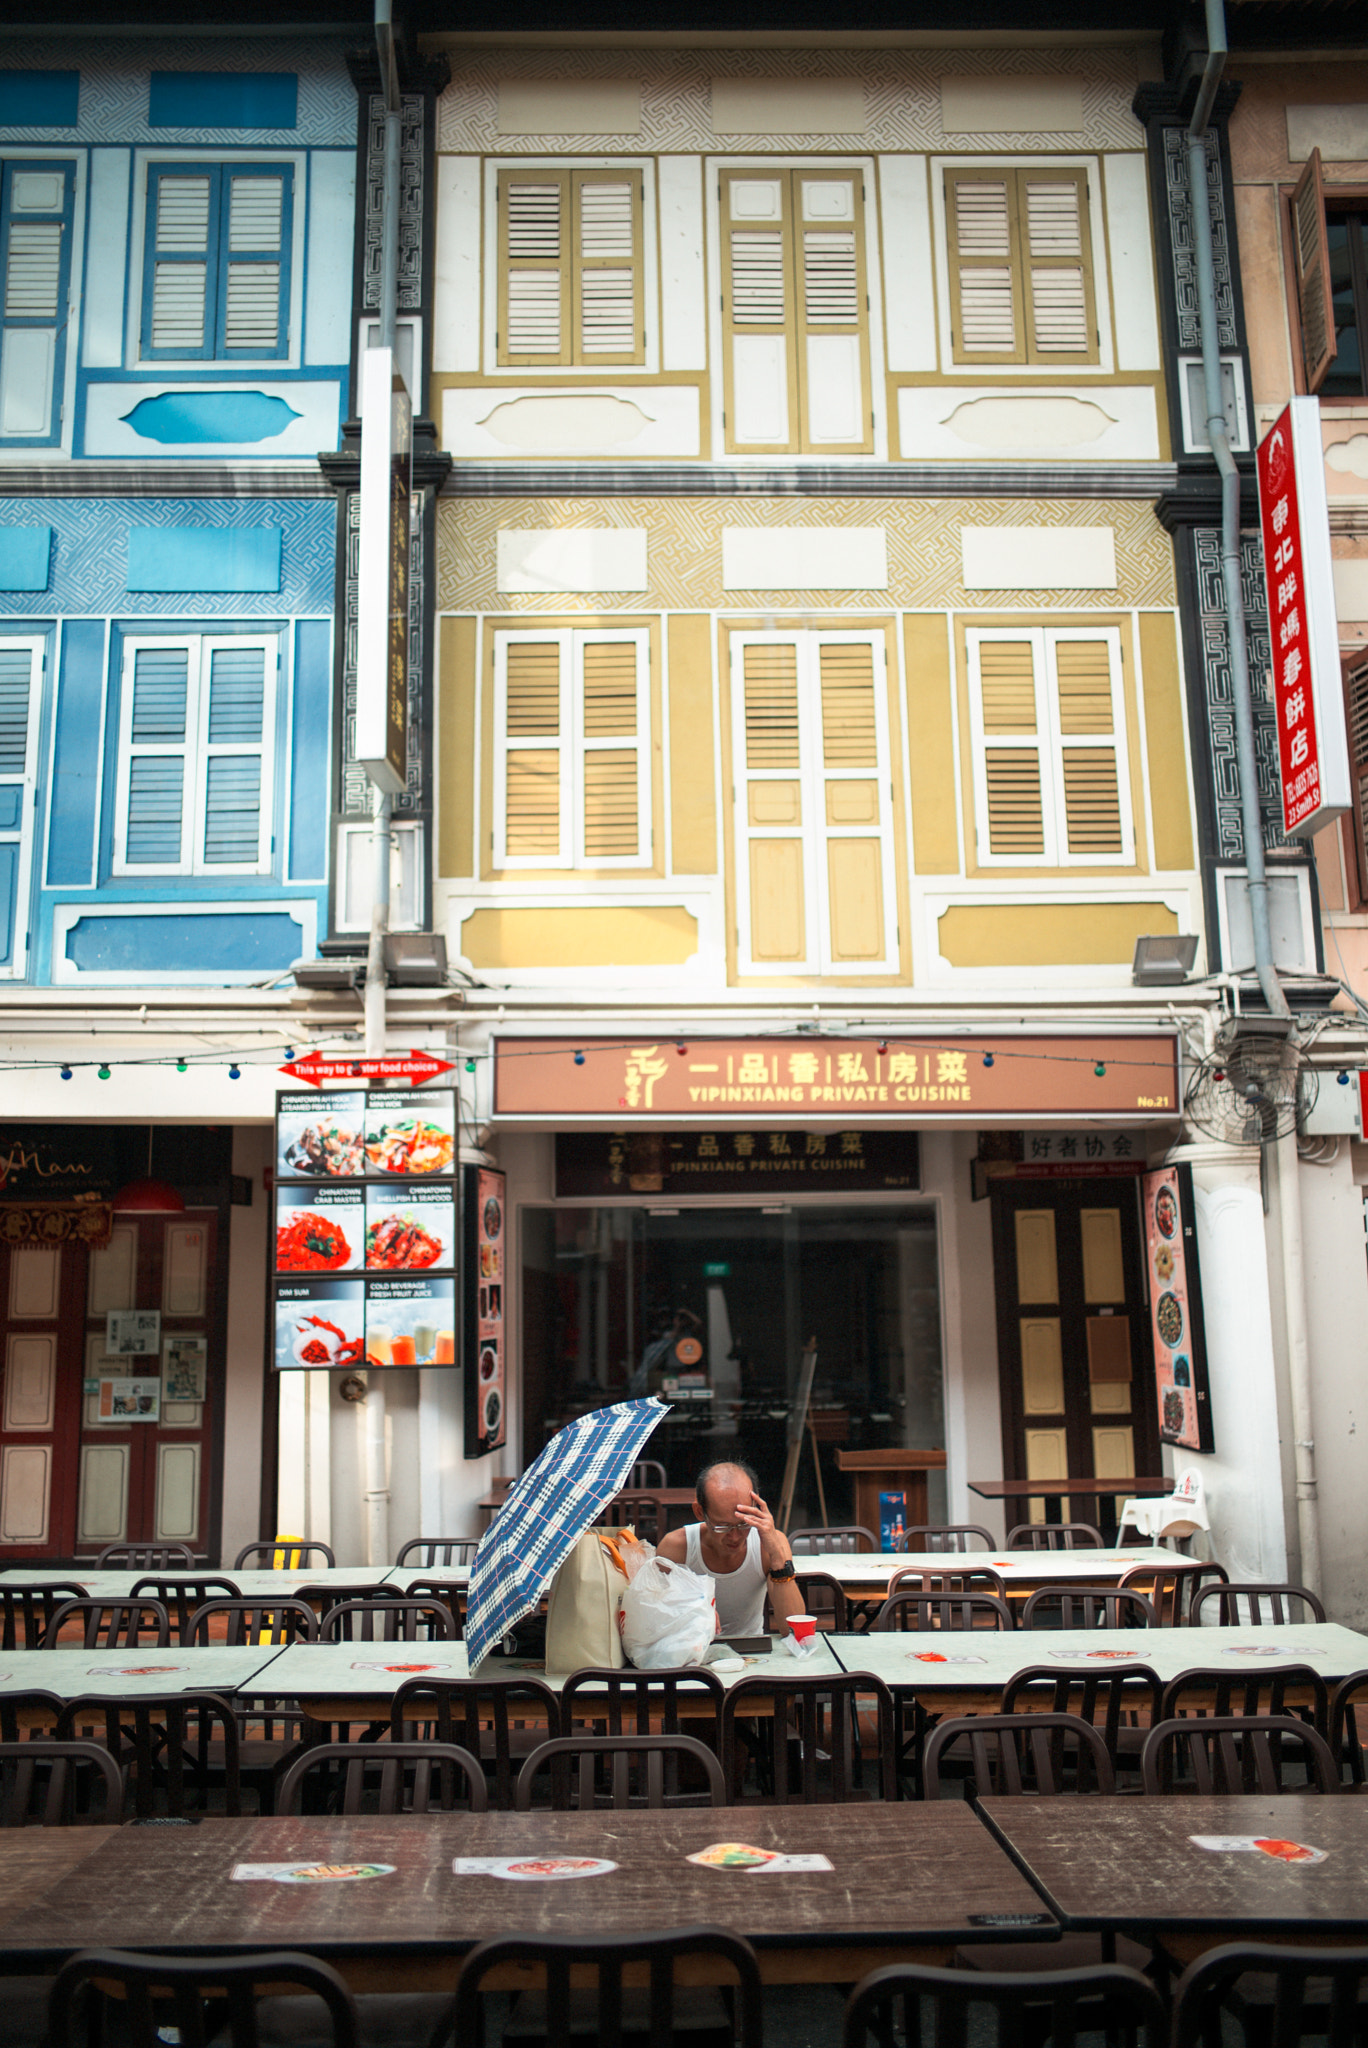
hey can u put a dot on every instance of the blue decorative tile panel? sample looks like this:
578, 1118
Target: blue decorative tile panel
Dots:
223, 99
309, 757
72, 817
88, 556
25, 557
210, 416
169, 944
116, 74
39, 99
195, 558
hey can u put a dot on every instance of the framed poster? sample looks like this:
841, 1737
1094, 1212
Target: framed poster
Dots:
484, 1217
184, 1368
130, 1400
133, 1332
1175, 1292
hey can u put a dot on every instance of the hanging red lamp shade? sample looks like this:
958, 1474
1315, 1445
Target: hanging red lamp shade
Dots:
149, 1197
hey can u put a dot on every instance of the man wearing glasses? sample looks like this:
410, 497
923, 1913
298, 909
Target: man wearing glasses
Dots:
736, 1542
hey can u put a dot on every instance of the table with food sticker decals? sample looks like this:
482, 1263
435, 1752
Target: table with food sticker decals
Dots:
394, 1901
144, 1672
1196, 1871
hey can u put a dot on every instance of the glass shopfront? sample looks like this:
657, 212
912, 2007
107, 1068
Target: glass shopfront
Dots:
711, 1307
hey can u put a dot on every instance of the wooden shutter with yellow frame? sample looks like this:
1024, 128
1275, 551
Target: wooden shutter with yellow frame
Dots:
1356, 822
1315, 292
570, 268
572, 768
1020, 258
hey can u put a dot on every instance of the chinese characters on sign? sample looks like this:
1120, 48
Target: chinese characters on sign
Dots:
1312, 755
603, 1163
1175, 1291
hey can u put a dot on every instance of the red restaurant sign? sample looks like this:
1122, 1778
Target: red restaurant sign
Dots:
847, 1079
318, 1072
1313, 758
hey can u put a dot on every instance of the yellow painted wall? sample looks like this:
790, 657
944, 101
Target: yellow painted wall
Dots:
693, 785
1048, 934
611, 935
931, 743
456, 748
1169, 802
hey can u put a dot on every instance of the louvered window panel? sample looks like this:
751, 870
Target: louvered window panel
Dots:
251, 320
232, 809
611, 824
987, 309
757, 277
1007, 685
1016, 818
178, 305
1059, 311
607, 312
1356, 720
850, 737
15, 668
983, 219
606, 220
771, 707
183, 205
1084, 678
218, 262
534, 222
161, 680
156, 794
830, 278
255, 209
1019, 262
33, 272
1052, 219
532, 803
237, 696
1092, 808
533, 687
610, 689
534, 313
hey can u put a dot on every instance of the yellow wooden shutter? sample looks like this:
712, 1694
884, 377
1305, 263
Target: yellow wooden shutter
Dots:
1315, 293
531, 744
611, 743
770, 838
1092, 821
608, 286
1011, 740
534, 268
1052, 208
833, 327
854, 821
1356, 722
760, 381
985, 271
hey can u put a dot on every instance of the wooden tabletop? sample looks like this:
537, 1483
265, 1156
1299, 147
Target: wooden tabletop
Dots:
1055, 1489
31, 1859
1121, 1863
902, 1877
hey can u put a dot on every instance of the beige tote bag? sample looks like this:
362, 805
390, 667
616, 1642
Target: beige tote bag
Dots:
582, 1611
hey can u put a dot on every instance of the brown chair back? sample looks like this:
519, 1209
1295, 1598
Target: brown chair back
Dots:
956, 1536
968, 1579
26, 1611
145, 1557
107, 1625
1297, 1994
813, 1715
38, 1784
497, 1719
383, 1777
162, 1745
611, 1955
1011, 1754
1287, 1689
602, 1701
254, 1621
295, 1556
1169, 1588
1236, 1753
944, 1611
387, 1621
158, 1999
1346, 1740
1004, 2008
432, 1551
1088, 1607
1251, 1606
842, 1541
641, 1770
181, 1597
1054, 1536
1114, 1698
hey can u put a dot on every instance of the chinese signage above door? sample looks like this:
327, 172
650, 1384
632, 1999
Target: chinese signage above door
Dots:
599, 1163
1313, 756
727, 1079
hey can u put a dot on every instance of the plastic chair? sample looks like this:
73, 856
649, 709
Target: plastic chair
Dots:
823, 1597
162, 1745
598, 1701
145, 1557
1236, 1753
441, 1593
644, 1512
401, 1777
944, 1536
1298, 1993
971, 1579
815, 1720
1110, 1998
456, 1550
646, 1475
181, 1598
1121, 1700
20, 1712
250, 1621
401, 1621
26, 1611
480, 1715
1169, 1588
286, 1554
637, 1777
33, 1796
1206, 1691
841, 1542
611, 2011
1089, 1607
1260, 1604
1054, 1536
1350, 1695
158, 1995
108, 1625
1012, 1754
944, 1611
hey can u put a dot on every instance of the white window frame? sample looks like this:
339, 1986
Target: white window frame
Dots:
238, 159
813, 832
196, 754
23, 833
572, 746
1050, 745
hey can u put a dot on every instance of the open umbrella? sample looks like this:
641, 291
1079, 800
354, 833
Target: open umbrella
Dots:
561, 1493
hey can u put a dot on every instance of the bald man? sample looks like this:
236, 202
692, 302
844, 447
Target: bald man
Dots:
735, 1540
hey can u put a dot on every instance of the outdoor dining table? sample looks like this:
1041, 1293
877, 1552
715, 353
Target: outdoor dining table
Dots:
866, 1575
1174, 1868
253, 1585
134, 1674
907, 1883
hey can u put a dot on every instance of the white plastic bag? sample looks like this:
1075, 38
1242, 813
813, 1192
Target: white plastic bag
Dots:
669, 1616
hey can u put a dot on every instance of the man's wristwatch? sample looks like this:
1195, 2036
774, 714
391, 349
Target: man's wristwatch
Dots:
785, 1571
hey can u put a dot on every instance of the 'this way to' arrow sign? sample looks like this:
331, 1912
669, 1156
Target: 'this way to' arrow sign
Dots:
318, 1072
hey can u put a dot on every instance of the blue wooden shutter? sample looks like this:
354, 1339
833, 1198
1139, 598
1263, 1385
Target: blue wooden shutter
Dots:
179, 283
159, 730
16, 726
234, 737
35, 270
254, 243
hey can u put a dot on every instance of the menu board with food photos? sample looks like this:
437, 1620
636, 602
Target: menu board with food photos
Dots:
1175, 1294
366, 1250
485, 1218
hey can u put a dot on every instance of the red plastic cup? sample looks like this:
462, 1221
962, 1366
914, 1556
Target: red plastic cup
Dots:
803, 1627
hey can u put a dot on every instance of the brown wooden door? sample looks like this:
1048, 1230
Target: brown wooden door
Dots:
1073, 1351
42, 1301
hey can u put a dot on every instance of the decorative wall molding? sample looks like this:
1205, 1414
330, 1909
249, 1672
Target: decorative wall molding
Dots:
1180, 237
163, 480
410, 292
815, 480
1225, 767
356, 796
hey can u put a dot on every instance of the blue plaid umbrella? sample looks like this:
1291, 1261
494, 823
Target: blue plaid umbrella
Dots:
560, 1494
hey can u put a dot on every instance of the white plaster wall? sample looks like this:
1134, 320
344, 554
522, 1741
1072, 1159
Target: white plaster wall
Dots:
1337, 1312
248, 1264
973, 1410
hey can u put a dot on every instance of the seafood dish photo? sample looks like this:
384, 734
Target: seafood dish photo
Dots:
311, 1243
399, 1242
326, 1150
409, 1145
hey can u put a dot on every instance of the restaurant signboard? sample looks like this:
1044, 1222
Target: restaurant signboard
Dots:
1175, 1295
603, 1164
844, 1080
484, 1214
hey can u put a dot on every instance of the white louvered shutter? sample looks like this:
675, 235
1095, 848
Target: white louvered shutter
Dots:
607, 263
159, 702
257, 212
20, 675
984, 271
35, 236
1088, 716
534, 268
1053, 208
774, 860
832, 306
1010, 728
848, 692
238, 684
532, 727
183, 226
611, 679
758, 305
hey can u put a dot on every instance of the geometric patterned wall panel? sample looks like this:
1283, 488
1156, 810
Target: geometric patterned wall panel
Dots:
358, 793
115, 75
902, 96
90, 556
410, 286
1180, 238
1225, 767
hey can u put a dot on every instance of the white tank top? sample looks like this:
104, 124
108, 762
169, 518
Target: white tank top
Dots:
740, 1594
